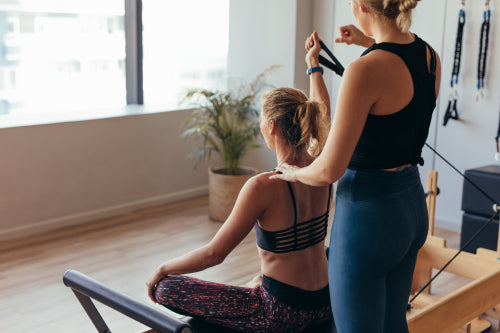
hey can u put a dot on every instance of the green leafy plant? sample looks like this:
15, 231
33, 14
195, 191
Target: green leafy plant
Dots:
225, 122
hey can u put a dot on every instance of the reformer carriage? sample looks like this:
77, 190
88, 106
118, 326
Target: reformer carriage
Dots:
463, 307
429, 313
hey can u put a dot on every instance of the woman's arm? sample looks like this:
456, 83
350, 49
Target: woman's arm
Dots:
317, 87
357, 93
251, 203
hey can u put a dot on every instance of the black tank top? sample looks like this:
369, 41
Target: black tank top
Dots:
389, 141
297, 237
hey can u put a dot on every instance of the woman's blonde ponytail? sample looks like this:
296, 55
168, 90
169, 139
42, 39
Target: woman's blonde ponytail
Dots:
296, 116
399, 10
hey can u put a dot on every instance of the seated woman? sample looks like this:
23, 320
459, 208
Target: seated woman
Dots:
291, 227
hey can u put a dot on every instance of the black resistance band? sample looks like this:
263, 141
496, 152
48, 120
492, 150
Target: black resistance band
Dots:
451, 110
496, 208
335, 65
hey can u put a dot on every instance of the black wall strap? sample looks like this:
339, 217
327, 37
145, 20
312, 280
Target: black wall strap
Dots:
483, 50
451, 110
497, 138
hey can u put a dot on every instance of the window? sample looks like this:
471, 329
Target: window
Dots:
61, 55
70, 55
185, 45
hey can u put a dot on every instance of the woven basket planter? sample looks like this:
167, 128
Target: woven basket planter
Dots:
223, 190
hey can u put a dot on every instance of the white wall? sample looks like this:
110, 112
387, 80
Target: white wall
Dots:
61, 174
261, 34
470, 142
264, 33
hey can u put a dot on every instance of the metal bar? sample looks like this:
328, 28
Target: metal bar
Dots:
92, 312
124, 304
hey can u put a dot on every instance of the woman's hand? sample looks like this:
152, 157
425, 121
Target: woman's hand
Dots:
349, 34
313, 48
288, 172
155, 278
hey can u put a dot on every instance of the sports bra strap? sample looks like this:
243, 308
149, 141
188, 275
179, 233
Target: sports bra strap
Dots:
293, 201
329, 198
433, 60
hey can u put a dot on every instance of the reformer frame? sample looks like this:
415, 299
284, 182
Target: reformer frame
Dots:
464, 306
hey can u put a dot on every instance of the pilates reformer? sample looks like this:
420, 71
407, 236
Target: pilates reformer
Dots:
464, 306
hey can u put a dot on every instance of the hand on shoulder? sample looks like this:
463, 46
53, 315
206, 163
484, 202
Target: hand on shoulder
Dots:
286, 172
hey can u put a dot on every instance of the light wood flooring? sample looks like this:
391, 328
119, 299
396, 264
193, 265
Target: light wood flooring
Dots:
121, 252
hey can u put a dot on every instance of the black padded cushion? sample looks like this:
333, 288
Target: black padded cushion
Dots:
488, 238
488, 179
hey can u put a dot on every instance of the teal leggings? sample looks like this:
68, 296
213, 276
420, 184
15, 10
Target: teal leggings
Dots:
380, 223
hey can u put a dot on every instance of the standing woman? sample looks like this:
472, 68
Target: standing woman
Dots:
382, 117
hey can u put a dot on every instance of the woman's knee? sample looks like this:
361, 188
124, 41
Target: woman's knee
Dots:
165, 288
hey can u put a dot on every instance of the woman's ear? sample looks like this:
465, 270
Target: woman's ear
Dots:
272, 127
363, 8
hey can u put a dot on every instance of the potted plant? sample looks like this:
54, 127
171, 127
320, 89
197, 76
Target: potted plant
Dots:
226, 123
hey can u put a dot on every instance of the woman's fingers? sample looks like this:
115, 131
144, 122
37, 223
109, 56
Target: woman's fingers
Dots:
286, 172
151, 284
345, 35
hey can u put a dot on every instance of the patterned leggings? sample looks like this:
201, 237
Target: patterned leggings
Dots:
239, 308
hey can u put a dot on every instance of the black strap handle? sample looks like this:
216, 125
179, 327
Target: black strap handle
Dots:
335, 66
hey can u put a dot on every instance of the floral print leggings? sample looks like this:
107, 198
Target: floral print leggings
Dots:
245, 309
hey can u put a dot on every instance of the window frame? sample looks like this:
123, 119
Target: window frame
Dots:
133, 52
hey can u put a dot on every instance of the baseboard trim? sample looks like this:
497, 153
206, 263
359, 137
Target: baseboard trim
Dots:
79, 218
447, 225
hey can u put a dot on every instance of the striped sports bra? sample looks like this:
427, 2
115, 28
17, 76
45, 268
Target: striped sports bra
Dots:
297, 237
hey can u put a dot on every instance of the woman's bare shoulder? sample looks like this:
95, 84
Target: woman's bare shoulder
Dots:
374, 63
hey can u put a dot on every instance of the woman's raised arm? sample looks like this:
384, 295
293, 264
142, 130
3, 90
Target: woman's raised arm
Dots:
317, 88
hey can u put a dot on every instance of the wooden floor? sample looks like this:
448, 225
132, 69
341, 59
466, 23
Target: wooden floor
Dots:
121, 252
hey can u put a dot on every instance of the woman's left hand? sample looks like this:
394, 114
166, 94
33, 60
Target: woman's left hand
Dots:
155, 278
313, 49
288, 172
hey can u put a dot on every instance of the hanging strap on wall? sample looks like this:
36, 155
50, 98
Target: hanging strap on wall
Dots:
497, 138
483, 50
451, 110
